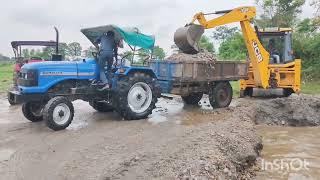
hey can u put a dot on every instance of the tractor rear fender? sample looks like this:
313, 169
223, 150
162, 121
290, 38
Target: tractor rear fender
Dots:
146, 70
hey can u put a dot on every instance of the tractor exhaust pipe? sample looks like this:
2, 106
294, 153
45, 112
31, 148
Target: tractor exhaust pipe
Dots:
57, 40
56, 56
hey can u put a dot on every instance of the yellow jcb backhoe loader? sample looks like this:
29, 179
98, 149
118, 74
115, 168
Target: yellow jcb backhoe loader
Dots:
269, 69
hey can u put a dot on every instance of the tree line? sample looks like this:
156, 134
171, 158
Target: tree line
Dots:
68, 51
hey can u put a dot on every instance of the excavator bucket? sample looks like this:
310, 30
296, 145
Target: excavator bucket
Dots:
187, 38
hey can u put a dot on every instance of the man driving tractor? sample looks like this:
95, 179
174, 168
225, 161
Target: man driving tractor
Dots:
107, 51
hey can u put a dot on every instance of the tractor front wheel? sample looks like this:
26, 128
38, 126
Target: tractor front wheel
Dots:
32, 111
10, 100
58, 113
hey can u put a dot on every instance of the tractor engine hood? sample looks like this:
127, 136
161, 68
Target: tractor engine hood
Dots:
51, 73
63, 68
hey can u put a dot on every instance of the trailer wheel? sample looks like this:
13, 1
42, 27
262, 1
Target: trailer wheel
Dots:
58, 113
193, 98
220, 95
136, 96
287, 92
101, 106
32, 111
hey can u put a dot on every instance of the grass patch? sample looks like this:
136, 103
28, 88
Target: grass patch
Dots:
6, 76
311, 87
236, 88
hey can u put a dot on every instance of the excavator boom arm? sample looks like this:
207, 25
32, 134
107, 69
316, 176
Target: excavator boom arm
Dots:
258, 55
229, 16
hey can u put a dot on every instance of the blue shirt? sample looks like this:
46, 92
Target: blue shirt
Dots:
107, 43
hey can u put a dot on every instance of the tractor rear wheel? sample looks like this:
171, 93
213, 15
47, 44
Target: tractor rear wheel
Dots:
193, 98
101, 106
220, 95
32, 111
136, 96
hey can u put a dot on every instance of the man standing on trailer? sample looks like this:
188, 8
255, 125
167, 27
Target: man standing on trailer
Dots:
107, 51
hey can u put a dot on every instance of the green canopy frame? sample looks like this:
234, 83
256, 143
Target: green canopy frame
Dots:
131, 36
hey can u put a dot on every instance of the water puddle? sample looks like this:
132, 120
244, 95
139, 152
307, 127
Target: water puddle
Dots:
176, 111
8, 111
290, 153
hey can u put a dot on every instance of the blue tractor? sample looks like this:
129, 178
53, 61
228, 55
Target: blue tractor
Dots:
47, 89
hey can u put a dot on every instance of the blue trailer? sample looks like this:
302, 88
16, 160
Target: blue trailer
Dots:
47, 89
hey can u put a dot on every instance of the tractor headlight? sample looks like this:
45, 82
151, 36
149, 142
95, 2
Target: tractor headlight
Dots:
31, 74
28, 77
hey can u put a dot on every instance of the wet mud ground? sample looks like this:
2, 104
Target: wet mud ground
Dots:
176, 141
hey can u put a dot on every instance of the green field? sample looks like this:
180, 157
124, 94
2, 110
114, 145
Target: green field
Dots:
311, 88
6, 76
6, 73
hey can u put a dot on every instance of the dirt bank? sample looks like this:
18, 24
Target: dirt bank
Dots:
302, 110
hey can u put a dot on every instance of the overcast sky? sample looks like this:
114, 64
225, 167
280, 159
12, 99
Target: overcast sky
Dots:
34, 19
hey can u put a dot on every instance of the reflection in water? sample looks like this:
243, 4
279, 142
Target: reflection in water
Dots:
296, 145
176, 111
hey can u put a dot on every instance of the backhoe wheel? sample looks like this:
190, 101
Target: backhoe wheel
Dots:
32, 111
58, 113
287, 92
136, 96
101, 106
193, 98
220, 95
247, 92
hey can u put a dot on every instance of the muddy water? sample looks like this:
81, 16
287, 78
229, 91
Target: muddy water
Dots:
297, 148
175, 111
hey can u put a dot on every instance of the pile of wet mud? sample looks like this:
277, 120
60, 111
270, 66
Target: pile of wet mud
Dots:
296, 110
225, 148
201, 56
234, 141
